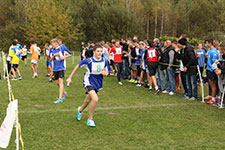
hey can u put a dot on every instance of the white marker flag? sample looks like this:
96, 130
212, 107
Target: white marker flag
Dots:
7, 125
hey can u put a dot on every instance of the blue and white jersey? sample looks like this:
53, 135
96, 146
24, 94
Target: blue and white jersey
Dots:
93, 76
142, 58
57, 63
138, 54
65, 51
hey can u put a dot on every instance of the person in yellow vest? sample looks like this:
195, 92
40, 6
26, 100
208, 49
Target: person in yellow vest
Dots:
14, 55
34, 58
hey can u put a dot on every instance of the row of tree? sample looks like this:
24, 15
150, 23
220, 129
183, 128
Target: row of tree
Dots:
74, 21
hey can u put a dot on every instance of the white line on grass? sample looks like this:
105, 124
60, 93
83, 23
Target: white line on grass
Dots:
105, 108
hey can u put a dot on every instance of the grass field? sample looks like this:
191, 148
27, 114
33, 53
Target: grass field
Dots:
127, 117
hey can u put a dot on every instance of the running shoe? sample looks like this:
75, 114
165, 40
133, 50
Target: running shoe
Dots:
91, 123
165, 92
79, 115
171, 93
157, 91
192, 99
35, 75
20, 78
150, 89
120, 83
131, 80
139, 85
50, 80
135, 81
58, 101
184, 96
211, 102
14, 78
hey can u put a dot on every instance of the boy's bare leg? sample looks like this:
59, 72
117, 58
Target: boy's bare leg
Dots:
94, 101
85, 103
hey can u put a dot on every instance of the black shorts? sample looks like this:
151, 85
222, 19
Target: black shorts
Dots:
59, 74
211, 75
152, 66
14, 65
111, 62
39, 57
90, 88
24, 57
138, 70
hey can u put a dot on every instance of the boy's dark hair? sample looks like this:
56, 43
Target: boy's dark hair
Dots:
150, 43
210, 41
14, 42
96, 47
32, 42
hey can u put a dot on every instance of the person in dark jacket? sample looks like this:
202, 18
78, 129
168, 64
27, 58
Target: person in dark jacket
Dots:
89, 52
190, 63
170, 70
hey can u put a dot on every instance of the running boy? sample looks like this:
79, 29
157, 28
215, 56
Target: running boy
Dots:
58, 68
65, 51
97, 67
34, 58
15, 59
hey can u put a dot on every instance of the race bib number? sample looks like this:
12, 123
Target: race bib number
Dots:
118, 51
97, 67
151, 53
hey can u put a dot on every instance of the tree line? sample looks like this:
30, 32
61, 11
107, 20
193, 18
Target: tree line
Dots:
74, 21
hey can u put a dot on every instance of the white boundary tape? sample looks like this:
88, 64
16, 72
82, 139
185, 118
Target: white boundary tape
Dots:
105, 108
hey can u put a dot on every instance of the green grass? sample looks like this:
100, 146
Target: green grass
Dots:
146, 122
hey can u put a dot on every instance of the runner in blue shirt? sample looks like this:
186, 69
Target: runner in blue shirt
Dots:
97, 67
65, 51
58, 58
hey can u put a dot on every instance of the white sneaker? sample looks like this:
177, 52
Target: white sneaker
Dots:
138, 85
192, 99
20, 78
165, 92
14, 78
171, 93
